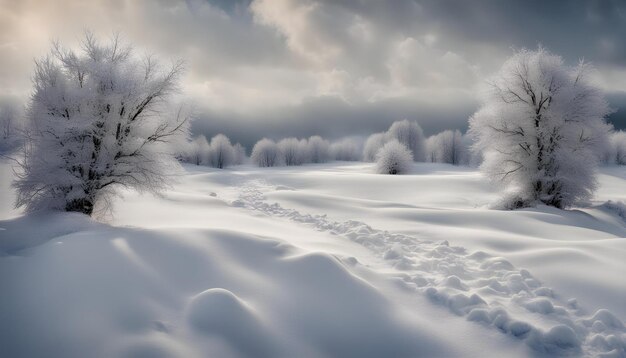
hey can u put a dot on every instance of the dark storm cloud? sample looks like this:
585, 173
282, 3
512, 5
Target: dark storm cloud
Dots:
330, 67
593, 29
481, 32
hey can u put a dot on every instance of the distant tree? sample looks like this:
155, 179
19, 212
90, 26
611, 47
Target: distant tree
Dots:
8, 121
318, 149
474, 155
447, 147
10, 126
372, 146
411, 135
541, 126
393, 158
303, 151
266, 153
615, 153
97, 120
199, 151
239, 154
222, 153
291, 151
346, 149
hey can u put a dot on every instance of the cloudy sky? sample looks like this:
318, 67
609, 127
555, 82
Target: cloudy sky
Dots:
329, 67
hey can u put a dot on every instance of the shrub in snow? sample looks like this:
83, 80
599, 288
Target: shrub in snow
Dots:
98, 119
411, 135
266, 153
393, 158
318, 149
291, 151
541, 126
346, 149
239, 153
447, 147
372, 146
221, 152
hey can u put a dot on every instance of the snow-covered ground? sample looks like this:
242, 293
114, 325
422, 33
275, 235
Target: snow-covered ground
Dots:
320, 260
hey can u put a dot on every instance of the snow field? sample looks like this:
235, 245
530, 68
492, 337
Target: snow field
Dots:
317, 261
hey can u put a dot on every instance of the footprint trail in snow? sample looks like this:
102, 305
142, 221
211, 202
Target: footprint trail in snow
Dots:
480, 287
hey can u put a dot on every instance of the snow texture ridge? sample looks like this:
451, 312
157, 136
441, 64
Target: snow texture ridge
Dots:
482, 288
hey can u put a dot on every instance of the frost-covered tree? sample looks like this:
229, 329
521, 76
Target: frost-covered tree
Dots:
318, 149
239, 154
199, 151
290, 151
393, 158
411, 135
618, 143
221, 152
8, 121
303, 151
447, 147
266, 153
372, 146
98, 119
346, 149
615, 152
474, 155
10, 126
541, 126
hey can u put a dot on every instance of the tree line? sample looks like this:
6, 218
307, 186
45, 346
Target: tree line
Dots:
101, 118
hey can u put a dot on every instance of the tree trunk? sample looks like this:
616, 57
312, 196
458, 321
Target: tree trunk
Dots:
82, 205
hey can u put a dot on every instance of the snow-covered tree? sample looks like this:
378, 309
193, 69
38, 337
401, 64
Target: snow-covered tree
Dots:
303, 151
447, 147
239, 154
618, 142
290, 151
372, 146
431, 149
411, 135
541, 126
98, 119
199, 151
474, 155
8, 121
10, 126
318, 149
346, 149
615, 153
393, 158
266, 153
222, 153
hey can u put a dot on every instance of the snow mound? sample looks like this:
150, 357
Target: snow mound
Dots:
214, 308
219, 312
